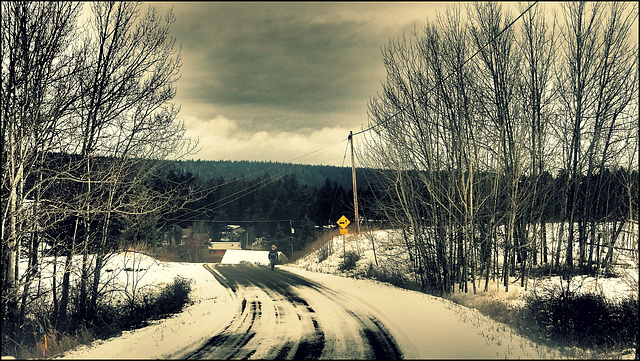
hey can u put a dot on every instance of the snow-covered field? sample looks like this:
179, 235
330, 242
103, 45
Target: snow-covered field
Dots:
389, 255
423, 326
384, 249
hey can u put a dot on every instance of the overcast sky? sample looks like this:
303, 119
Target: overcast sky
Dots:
277, 81
285, 81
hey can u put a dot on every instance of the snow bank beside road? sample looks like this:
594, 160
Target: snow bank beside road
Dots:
233, 256
425, 326
212, 310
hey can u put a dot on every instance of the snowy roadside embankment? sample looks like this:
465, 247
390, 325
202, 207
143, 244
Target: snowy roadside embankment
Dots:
388, 255
423, 326
430, 327
211, 312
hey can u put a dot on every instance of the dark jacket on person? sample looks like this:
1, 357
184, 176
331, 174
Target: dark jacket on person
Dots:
273, 254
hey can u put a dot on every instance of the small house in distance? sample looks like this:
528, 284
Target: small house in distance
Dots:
223, 246
220, 248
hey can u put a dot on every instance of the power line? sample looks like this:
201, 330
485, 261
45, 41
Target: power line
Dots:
320, 149
217, 206
429, 90
219, 203
450, 74
247, 193
231, 222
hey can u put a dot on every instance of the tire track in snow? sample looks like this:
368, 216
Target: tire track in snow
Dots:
285, 316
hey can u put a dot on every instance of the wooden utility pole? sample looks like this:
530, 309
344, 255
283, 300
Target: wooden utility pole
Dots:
355, 186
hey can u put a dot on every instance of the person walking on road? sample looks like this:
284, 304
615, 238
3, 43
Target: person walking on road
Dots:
273, 256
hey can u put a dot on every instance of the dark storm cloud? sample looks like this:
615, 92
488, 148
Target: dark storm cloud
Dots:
279, 66
272, 81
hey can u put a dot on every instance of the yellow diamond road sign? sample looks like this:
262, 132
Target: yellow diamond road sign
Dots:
343, 222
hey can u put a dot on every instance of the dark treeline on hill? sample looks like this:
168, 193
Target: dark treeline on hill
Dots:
274, 195
269, 198
311, 175
261, 192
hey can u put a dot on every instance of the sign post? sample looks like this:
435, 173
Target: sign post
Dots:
343, 222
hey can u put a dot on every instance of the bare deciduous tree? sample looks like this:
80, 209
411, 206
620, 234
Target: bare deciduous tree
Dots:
87, 120
36, 95
468, 144
131, 66
596, 84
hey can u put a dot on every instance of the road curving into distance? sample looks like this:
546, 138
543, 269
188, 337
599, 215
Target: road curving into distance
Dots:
281, 315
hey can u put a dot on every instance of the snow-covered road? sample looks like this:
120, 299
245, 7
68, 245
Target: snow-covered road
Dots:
354, 320
285, 316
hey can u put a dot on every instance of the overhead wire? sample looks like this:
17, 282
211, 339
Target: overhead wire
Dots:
215, 205
320, 149
432, 88
335, 194
351, 137
272, 180
252, 175
210, 189
450, 74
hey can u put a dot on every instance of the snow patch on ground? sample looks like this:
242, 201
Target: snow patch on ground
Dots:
424, 326
212, 310
430, 327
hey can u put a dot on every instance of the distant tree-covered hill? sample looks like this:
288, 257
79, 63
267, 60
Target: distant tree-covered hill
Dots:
312, 175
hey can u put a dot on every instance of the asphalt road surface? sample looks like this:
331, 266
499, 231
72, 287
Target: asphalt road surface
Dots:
281, 315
